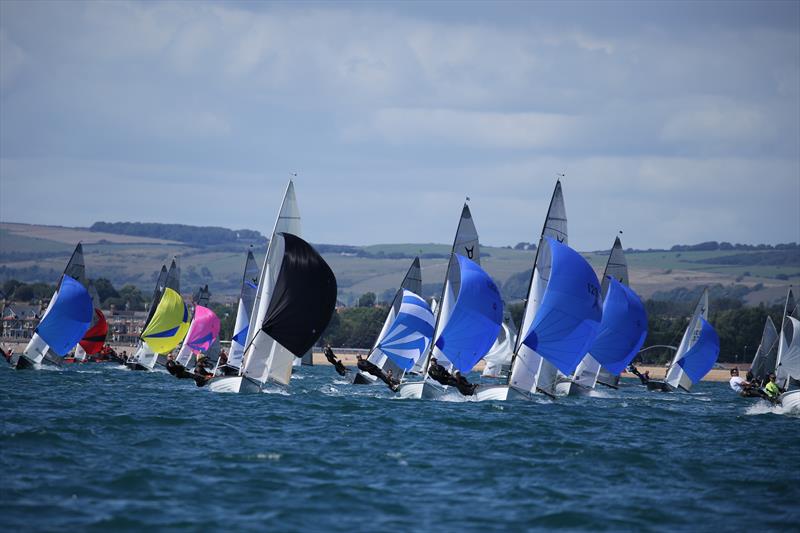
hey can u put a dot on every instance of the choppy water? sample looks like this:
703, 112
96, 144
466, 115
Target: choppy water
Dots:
95, 447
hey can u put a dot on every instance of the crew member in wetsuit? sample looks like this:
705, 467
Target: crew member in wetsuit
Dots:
438, 373
464, 387
201, 373
644, 378
7, 355
393, 383
371, 368
172, 366
223, 358
332, 359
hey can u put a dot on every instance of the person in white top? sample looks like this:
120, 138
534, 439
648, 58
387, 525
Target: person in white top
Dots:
738, 384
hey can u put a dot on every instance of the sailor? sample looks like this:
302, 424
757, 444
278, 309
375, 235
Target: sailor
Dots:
737, 383
438, 373
7, 356
464, 387
332, 359
644, 378
172, 366
223, 358
390, 381
772, 390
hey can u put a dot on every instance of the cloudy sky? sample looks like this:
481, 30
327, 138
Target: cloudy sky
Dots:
676, 122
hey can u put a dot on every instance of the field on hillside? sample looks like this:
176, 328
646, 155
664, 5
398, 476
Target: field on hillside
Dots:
38, 253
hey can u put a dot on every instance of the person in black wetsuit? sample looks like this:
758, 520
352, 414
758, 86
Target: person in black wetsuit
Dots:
393, 383
371, 368
438, 373
332, 359
464, 387
172, 366
644, 378
201, 373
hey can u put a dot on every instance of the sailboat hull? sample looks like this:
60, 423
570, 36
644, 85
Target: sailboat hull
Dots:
234, 384
133, 365
364, 379
23, 363
659, 386
422, 390
790, 401
499, 393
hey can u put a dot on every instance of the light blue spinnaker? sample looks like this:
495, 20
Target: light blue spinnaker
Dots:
622, 329
702, 355
410, 333
68, 318
568, 318
476, 318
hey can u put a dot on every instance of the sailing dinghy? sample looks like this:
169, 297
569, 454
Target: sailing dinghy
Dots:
696, 353
65, 321
469, 317
294, 302
561, 317
766, 356
167, 324
787, 369
412, 283
623, 330
247, 296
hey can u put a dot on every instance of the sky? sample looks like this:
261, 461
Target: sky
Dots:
675, 122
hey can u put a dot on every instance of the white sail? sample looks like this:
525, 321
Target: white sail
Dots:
247, 296
37, 348
80, 354
265, 359
530, 372
589, 370
465, 244
789, 360
185, 353
786, 362
498, 359
419, 366
676, 377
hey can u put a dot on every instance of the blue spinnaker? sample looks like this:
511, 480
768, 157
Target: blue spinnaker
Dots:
701, 357
69, 317
475, 321
568, 318
622, 329
410, 333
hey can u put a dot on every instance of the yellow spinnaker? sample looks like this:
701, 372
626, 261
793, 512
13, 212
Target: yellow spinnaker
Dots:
169, 324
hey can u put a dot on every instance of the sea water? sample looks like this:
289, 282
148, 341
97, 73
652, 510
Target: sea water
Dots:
96, 447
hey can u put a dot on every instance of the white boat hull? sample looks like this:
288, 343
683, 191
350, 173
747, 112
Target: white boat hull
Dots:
422, 390
790, 401
498, 393
235, 384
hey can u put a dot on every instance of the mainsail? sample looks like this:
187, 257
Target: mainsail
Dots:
38, 347
301, 301
474, 323
676, 376
412, 282
169, 324
765, 359
789, 338
247, 297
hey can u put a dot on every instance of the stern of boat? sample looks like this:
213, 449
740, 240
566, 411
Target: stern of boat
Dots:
790, 401
234, 384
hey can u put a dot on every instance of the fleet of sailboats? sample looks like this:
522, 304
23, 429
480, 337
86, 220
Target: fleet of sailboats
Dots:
576, 332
